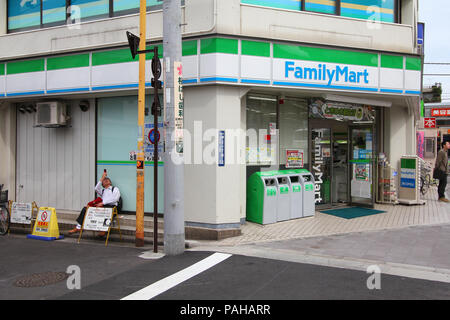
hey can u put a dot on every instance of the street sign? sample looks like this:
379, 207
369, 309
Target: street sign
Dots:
221, 149
440, 112
98, 219
46, 226
429, 123
21, 213
151, 136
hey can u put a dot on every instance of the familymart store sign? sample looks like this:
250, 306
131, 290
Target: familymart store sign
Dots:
219, 60
316, 74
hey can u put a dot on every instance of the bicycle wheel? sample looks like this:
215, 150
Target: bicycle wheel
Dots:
425, 184
4, 221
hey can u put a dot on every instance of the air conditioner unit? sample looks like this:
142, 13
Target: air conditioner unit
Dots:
51, 114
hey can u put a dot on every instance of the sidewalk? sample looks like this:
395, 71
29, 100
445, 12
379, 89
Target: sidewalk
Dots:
396, 216
408, 241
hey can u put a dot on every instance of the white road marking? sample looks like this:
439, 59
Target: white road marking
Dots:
169, 282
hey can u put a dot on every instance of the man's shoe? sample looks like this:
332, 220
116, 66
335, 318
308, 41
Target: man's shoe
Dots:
74, 230
444, 200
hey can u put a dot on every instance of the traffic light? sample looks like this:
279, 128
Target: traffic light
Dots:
156, 83
133, 42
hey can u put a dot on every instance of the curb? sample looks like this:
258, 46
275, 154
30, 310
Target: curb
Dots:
391, 268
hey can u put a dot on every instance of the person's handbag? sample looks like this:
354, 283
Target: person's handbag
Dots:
437, 173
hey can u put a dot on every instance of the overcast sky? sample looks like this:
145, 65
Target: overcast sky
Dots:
436, 16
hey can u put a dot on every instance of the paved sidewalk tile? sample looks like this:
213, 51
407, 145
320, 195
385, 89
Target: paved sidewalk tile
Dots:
396, 216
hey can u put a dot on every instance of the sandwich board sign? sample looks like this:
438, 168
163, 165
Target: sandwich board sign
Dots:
46, 226
21, 213
97, 219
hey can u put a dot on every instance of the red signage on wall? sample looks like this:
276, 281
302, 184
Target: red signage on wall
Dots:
440, 112
429, 123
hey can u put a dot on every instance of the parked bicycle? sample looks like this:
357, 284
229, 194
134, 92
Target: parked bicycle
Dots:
4, 212
425, 177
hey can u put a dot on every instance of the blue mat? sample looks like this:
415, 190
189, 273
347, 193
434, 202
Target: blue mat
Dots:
352, 212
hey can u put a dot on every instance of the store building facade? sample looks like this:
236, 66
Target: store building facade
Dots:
330, 83
433, 129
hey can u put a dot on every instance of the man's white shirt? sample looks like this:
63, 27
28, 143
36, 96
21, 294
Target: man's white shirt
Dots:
107, 194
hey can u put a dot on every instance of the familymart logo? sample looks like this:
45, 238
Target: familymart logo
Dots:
336, 74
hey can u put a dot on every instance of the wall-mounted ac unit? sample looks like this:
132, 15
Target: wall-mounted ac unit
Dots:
51, 114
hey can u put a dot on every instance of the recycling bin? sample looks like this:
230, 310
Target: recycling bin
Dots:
309, 198
262, 188
283, 197
296, 196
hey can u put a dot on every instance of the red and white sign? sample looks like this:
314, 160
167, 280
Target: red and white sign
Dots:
440, 112
294, 158
429, 123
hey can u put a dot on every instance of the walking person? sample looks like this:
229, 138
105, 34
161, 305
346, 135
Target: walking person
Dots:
440, 170
108, 197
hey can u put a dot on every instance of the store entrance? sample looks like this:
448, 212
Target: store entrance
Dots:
342, 163
329, 162
362, 165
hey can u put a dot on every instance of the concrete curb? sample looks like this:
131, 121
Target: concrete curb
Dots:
391, 268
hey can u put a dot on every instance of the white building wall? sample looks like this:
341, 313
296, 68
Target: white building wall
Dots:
264, 22
399, 135
8, 148
3, 17
222, 17
56, 166
213, 194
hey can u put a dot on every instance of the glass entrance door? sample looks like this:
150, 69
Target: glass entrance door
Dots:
362, 166
340, 167
322, 165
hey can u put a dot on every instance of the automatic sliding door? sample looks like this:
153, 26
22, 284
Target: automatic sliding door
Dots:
361, 166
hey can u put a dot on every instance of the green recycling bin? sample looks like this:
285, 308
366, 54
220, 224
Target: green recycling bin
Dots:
296, 195
262, 189
283, 197
309, 197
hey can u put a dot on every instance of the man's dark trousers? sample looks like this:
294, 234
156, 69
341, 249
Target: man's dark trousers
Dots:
442, 186
80, 218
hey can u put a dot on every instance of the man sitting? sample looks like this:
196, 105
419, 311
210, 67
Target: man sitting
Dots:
108, 198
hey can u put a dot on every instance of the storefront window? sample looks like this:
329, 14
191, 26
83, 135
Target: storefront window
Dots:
376, 10
293, 131
282, 4
321, 6
92, 8
35, 14
124, 5
54, 11
116, 145
24, 14
261, 130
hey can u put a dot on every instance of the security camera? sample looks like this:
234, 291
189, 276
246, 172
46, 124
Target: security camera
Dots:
22, 108
30, 108
84, 106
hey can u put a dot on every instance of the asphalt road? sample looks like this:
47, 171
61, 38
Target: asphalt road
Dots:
113, 272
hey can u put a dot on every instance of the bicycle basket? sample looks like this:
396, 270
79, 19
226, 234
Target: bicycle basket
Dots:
4, 196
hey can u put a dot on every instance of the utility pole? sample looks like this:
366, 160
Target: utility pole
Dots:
141, 119
174, 237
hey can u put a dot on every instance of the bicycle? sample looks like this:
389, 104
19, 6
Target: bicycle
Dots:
425, 177
4, 212
425, 182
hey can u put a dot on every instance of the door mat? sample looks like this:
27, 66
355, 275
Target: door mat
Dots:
352, 212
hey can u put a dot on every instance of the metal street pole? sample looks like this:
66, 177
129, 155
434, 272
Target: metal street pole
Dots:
141, 118
156, 112
174, 237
